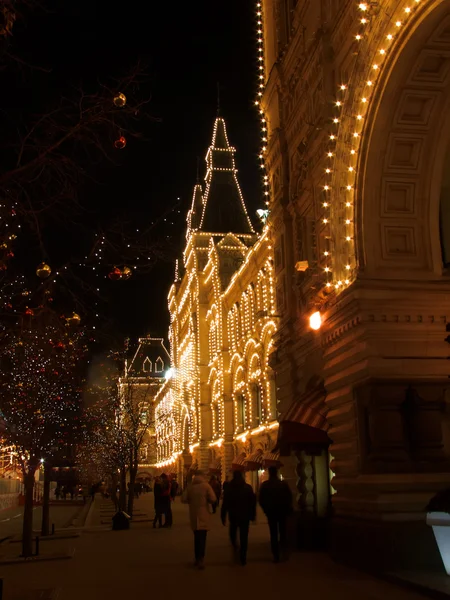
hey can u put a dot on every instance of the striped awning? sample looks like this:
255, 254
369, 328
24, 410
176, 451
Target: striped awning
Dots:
271, 459
254, 461
310, 409
216, 465
238, 463
304, 425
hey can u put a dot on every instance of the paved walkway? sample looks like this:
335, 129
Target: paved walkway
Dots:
144, 562
61, 515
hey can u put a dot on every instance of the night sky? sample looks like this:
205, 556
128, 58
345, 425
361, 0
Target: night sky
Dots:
187, 48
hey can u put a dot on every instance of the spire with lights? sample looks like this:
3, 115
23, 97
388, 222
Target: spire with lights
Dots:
224, 208
195, 214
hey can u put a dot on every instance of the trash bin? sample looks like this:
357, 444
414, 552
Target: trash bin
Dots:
121, 520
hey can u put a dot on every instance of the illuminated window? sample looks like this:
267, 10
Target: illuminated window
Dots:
240, 411
257, 404
159, 365
147, 366
144, 417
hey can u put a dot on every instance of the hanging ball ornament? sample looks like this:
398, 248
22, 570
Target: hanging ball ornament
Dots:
73, 319
29, 312
120, 143
126, 273
120, 100
115, 274
43, 271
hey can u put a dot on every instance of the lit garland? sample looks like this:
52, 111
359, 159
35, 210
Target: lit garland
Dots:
211, 167
352, 106
41, 391
261, 84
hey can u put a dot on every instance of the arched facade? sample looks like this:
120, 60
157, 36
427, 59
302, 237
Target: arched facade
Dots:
359, 222
222, 320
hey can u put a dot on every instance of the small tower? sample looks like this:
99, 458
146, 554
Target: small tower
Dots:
224, 208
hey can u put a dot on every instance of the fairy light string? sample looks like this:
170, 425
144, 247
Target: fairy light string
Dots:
347, 130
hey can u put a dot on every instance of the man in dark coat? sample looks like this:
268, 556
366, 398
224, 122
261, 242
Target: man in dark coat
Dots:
275, 498
239, 502
166, 500
157, 491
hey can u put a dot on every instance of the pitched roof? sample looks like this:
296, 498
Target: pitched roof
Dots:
150, 360
224, 208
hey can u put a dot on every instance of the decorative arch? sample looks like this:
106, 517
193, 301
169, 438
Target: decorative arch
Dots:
387, 147
254, 367
403, 154
238, 377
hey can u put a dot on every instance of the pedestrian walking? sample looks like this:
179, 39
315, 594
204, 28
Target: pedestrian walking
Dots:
275, 498
199, 494
217, 488
173, 489
166, 501
157, 493
239, 503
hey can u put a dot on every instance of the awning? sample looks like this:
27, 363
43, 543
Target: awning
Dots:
216, 466
309, 409
271, 459
238, 463
304, 425
254, 461
193, 467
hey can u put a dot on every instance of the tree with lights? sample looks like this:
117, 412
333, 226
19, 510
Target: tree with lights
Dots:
40, 396
120, 419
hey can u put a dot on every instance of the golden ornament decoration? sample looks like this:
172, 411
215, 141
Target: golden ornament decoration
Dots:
120, 143
120, 100
73, 319
126, 273
43, 270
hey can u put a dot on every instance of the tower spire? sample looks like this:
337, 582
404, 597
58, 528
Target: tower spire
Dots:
218, 99
224, 209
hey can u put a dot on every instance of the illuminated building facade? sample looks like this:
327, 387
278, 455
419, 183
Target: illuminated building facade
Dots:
354, 100
144, 377
219, 407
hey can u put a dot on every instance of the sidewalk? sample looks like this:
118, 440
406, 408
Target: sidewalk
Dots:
143, 562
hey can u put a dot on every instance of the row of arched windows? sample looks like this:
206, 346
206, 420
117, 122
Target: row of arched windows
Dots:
255, 300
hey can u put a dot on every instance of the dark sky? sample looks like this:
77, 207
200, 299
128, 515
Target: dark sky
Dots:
188, 47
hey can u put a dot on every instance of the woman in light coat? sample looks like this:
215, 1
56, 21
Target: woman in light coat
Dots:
199, 495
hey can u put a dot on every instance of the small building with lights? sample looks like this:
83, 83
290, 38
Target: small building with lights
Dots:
144, 377
219, 406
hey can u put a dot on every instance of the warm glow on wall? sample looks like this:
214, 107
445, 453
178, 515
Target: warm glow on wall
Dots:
315, 321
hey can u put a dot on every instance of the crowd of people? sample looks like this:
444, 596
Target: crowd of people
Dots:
238, 507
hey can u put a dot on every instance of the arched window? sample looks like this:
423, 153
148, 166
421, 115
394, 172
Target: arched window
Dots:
147, 366
240, 411
159, 365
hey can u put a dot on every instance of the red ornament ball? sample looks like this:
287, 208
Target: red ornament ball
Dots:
115, 274
120, 143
